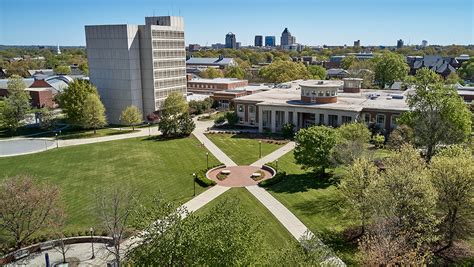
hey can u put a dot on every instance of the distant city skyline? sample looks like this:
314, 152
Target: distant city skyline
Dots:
24, 22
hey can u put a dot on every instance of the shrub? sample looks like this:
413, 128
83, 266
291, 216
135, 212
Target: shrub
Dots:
280, 176
288, 130
232, 118
219, 120
378, 140
202, 180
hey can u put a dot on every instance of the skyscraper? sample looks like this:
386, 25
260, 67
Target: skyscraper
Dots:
230, 41
287, 39
424, 43
259, 40
137, 65
400, 43
357, 43
270, 41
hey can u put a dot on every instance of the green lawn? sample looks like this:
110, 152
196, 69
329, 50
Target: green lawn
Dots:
68, 133
242, 149
276, 236
317, 203
147, 165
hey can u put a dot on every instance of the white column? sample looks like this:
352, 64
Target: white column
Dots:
273, 121
295, 119
286, 116
260, 119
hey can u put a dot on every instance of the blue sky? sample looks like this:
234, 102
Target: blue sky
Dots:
313, 22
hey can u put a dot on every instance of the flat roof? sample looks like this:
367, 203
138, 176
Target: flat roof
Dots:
345, 101
216, 80
322, 83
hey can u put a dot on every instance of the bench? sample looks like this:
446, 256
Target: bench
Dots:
20, 254
226, 172
256, 175
46, 245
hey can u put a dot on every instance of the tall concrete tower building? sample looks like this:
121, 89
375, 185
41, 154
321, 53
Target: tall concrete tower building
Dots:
137, 65
230, 41
287, 39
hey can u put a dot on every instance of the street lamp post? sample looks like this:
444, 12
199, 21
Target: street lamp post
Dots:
57, 144
207, 160
276, 161
92, 242
260, 149
194, 183
149, 131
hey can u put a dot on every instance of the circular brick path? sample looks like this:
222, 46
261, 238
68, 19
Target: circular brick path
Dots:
239, 176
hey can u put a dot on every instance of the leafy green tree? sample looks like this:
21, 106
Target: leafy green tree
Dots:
84, 67
17, 105
131, 116
283, 71
452, 173
452, 79
317, 72
186, 124
467, 70
226, 235
288, 130
64, 70
211, 73
347, 61
352, 144
357, 186
438, 115
93, 113
363, 69
402, 135
314, 146
200, 106
173, 121
355, 132
390, 67
406, 195
234, 72
47, 120
72, 99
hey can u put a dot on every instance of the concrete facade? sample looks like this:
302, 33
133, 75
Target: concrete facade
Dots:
137, 65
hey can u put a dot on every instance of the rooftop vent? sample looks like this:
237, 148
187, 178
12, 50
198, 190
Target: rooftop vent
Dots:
320, 82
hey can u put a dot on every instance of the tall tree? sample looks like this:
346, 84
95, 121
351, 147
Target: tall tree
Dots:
171, 119
93, 113
234, 72
314, 147
317, 72
27, 207
115, 207
357, 186
348, 61
467, 69
452, 173
390, 67
283, 71
17, 105
352, 144
406, 195
211, 73
63, 70
438, 115
72, 99
131, 116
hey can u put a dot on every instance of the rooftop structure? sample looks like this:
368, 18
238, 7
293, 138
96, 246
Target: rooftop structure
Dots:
220, 62
305, 103
209, 86
287, 39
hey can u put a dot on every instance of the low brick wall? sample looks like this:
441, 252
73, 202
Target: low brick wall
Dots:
8, 258
269, 169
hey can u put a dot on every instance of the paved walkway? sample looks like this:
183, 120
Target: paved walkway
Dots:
275, 154
201, 128
21, 145
204, 198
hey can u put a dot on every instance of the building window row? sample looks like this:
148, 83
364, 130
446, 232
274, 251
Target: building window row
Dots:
169, 54
163, 93
169, 64
320, 93
167, 34
169, 73
168, 44
170, 83
202, 85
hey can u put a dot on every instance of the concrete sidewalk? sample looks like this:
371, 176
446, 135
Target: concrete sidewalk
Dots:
201, 128
205, 197
275, 154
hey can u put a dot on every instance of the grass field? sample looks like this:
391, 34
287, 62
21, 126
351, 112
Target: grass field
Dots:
240, 148
68, 133
317, 203
276, 236
147, 165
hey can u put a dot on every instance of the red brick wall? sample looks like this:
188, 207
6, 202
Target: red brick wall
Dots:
39, 99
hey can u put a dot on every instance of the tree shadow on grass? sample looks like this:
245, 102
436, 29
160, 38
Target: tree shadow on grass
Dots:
295, 183
328, 204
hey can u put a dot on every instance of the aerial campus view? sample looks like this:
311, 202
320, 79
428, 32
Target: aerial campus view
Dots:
216, 133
